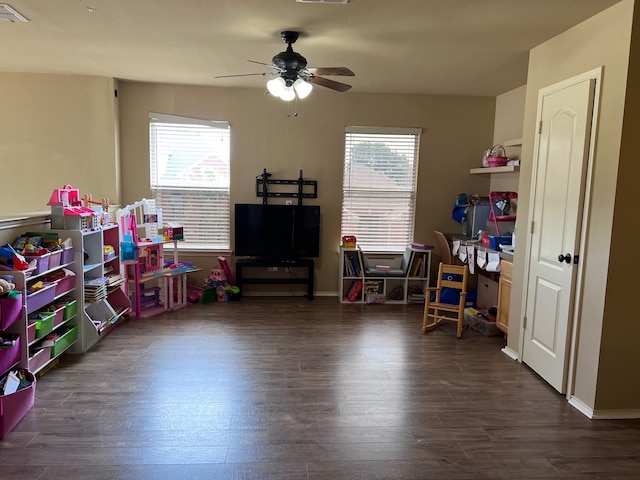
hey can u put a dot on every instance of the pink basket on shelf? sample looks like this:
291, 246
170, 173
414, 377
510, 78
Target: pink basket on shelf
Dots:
497, 156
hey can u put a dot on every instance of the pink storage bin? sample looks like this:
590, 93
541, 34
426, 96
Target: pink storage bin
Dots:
10, 309
59, 316
39, 359
65, 284
31, 332
66, 256
39, 299
14, 407
55, 259
42, 264
9, 356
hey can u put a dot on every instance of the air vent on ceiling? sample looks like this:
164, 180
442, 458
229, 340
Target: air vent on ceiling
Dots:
8, 13
322, 1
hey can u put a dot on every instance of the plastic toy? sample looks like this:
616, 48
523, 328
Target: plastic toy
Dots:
67, 211
349, 241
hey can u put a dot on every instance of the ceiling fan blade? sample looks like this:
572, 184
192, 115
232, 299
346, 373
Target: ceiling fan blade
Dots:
260, 63
332, 84
264, 74
338, 71
265, 64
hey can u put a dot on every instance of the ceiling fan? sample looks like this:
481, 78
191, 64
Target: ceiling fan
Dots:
292, 75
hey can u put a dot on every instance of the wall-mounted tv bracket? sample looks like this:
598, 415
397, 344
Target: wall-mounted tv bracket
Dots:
263, 181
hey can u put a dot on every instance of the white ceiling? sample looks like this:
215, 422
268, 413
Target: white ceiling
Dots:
464, 47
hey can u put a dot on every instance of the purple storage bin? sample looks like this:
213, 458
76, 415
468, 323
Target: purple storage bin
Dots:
39, 299
42, 264
67, 283
55, 259
67, 256
9, 311
9, 356
14, 407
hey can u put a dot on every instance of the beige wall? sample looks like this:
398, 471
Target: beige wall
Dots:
508, 126
56, 130
265, 134
601, 40
619, 351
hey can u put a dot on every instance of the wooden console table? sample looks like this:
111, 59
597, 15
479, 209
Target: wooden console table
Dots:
244, 263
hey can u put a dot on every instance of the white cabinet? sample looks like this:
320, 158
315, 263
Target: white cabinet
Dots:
383, 277
99, 283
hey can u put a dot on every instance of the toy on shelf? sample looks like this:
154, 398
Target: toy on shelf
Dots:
349, 241
68, 212
101, 208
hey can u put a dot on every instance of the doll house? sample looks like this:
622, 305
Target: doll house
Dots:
68, 212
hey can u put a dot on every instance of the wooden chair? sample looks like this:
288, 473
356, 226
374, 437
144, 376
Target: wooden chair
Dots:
436, 312
445, 248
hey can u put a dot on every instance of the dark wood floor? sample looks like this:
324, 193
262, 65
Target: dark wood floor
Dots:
289, 388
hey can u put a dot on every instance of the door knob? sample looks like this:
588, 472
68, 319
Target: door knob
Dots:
564, 258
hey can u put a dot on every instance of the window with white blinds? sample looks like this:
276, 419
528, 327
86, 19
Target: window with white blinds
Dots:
190, 177
379, 186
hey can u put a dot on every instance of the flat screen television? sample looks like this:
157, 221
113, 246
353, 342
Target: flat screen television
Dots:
277, 231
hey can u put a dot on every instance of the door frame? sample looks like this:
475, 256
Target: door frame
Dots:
595, 74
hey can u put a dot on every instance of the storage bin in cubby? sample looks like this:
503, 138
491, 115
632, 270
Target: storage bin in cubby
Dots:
14, 407
100, 312
39, 359
55, 258
31, 331
42, 262
67, 255
10, 309
10, 355
70, 307
64, 340
44, 296
43, 323
66, 283
58, 314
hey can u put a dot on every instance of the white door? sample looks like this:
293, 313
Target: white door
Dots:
565, 114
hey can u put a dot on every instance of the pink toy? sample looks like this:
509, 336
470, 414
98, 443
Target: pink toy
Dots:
218, 275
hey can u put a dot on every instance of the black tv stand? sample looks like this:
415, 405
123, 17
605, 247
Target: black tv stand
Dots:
243, 263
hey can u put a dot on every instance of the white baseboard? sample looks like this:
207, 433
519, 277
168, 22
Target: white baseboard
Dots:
611, 414
512, 354
581, 407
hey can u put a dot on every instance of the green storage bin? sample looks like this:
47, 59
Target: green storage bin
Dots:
70, 309
44, 322
64, 340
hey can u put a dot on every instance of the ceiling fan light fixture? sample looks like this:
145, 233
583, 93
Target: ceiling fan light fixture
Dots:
276, 86
302, 88
288, 94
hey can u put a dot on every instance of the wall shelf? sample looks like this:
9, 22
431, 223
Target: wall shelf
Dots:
505, 169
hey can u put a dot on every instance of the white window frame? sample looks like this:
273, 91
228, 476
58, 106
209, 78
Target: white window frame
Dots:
203, 208
389, 204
